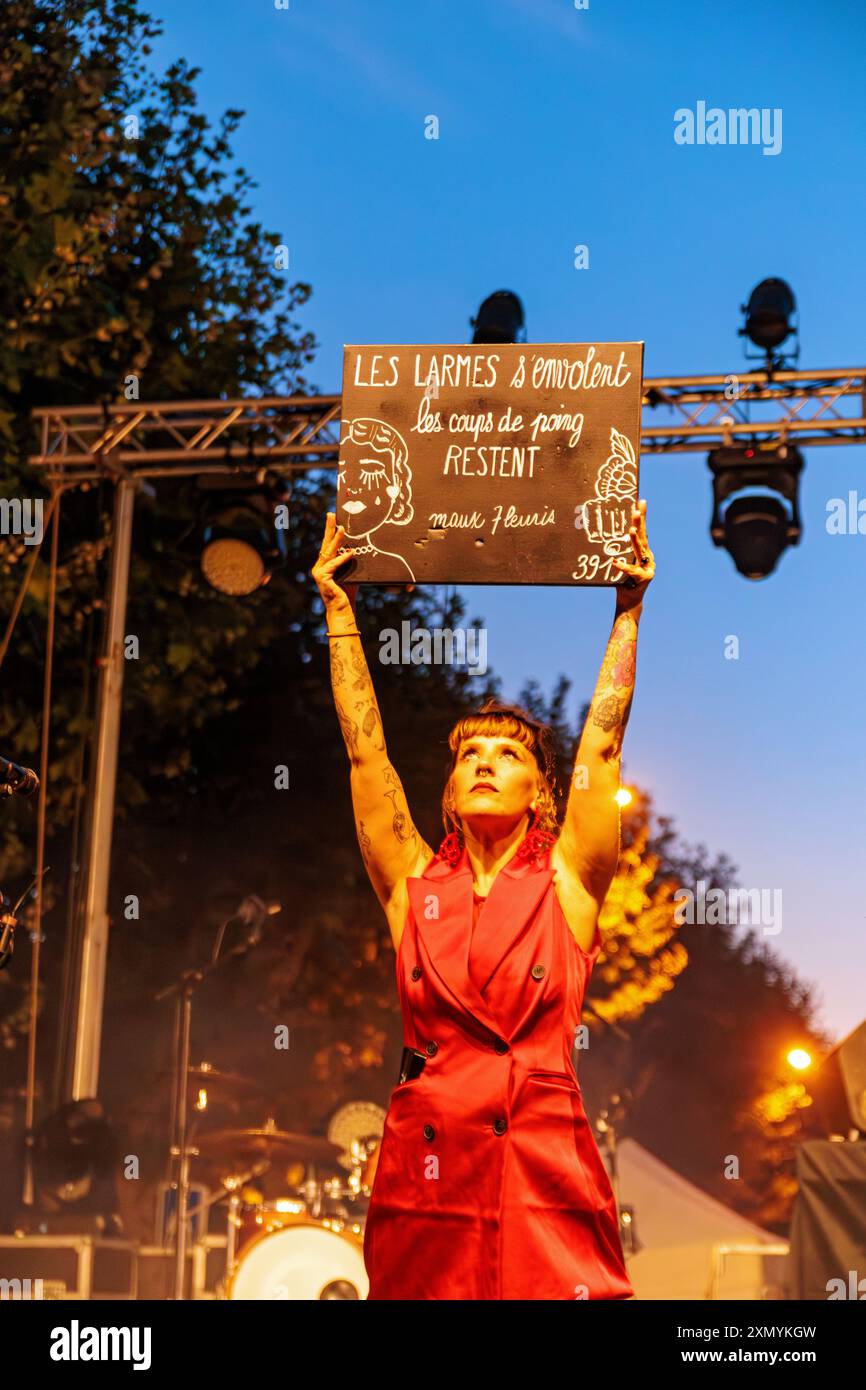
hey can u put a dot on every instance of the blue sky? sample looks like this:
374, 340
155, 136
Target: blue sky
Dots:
556, 129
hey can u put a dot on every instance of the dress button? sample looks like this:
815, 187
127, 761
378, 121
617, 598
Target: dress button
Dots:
416, 972
429, 1132
499, 1126
538, 972
500, 1046
431, 1049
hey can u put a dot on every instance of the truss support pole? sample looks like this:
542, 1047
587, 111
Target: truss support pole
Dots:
94, 951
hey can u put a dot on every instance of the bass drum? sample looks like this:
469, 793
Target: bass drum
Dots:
305, 1259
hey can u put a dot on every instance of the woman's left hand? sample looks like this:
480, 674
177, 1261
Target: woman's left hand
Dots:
639, 574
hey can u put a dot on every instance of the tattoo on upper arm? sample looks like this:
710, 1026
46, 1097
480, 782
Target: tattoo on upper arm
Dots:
606, 714
400, 823
620, 733
365, 842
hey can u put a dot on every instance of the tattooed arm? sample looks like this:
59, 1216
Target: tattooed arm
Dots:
590, 838
390, 845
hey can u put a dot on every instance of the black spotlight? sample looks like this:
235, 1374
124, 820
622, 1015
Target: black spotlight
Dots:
499, 320
241, 547
75, 1165
769, 315
756, 526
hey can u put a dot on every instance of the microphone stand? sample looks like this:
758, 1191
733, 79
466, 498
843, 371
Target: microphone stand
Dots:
252, 913
8, 923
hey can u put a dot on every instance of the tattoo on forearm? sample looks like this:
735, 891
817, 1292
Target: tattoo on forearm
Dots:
337, 668
618, 667
371, 719
359, 666
350, 732
368, 718
611, 703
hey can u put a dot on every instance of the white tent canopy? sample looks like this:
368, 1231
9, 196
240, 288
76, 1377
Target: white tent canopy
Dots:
690, 1245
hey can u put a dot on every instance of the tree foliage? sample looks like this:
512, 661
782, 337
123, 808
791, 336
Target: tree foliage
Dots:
131, 269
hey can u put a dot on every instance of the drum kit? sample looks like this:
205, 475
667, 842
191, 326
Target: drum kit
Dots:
306, 1243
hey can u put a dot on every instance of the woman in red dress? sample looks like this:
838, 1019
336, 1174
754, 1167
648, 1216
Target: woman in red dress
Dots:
489, 1183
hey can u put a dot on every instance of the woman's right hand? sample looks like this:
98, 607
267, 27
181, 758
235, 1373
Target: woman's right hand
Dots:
334, 595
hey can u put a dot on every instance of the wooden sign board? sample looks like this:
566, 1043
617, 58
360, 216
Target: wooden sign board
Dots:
512, 463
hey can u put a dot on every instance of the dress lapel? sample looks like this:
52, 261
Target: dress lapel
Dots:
505, 917
441, 901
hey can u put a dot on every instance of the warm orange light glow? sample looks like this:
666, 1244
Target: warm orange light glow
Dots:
799, 1059
623, 796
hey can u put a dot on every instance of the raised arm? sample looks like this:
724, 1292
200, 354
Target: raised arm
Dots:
390, 845
590, 837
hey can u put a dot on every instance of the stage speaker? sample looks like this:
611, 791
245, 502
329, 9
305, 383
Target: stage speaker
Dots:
67, 1267
838, 1087
156, 1273
827, 1255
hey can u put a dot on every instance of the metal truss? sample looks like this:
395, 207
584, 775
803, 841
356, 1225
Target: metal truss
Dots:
712, 412
288, 434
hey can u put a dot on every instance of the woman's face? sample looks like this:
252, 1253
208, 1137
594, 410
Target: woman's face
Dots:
494, 779
367, 487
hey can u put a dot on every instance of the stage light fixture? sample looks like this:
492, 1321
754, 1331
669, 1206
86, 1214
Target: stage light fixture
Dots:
75, 1153
756, 526
241, 546
769, 314
500, 319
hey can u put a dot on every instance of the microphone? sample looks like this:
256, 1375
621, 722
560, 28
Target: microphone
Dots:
17, 781
250, 917
252, 914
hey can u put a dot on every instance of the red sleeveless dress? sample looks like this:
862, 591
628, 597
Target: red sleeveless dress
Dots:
489, 1183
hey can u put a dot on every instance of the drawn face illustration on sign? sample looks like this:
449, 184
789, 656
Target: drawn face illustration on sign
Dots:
374, 481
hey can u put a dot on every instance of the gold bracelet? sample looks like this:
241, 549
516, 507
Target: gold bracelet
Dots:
355, 633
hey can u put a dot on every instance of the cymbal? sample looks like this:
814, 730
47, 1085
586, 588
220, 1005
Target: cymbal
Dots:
206, 1077
243, 1145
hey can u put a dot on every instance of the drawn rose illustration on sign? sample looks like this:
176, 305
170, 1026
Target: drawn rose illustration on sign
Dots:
606, 517
374, 483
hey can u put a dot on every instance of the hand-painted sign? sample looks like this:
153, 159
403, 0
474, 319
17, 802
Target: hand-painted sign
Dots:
497, 463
